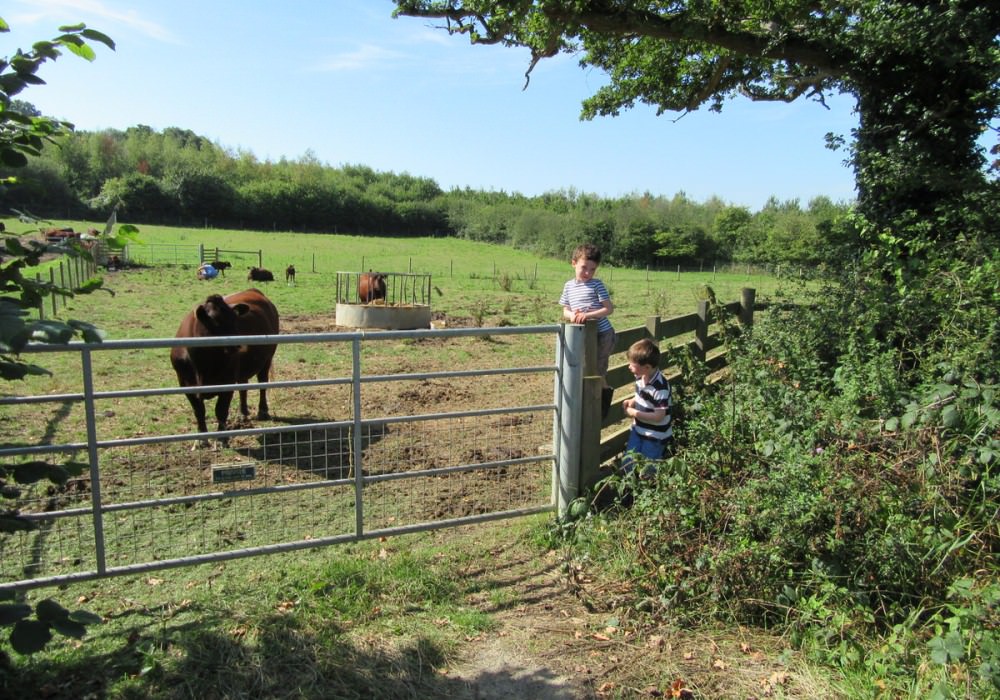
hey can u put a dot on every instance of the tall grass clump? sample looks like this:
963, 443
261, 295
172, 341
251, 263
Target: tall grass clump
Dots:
841, 485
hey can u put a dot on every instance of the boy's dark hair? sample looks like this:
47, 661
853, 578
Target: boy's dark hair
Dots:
587, 251
644, 352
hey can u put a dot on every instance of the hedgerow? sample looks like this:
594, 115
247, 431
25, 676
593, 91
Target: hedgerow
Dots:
840, 485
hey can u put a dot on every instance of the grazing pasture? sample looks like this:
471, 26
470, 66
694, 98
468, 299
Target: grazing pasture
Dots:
320, 621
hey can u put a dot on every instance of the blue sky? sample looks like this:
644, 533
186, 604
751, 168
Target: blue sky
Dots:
348, 84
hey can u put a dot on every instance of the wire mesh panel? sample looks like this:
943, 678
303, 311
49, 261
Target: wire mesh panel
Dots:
343, 455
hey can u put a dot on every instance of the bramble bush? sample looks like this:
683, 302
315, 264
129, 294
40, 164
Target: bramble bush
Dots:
841, 484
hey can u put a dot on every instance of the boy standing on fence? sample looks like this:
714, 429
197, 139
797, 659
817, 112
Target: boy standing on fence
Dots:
585, 297
652, 432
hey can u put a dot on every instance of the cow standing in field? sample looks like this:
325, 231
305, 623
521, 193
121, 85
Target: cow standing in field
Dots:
259, 274
243, 313
371, 286
221, 266
290, 274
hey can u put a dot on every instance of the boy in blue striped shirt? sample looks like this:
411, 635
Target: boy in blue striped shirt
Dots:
652, 430
585, 297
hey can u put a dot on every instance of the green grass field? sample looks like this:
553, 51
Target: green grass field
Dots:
478, 282
376, 619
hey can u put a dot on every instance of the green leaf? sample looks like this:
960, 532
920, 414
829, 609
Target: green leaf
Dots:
892, 424
81, 50
950, 417
30, 636
12, 158
95, 35
948, 649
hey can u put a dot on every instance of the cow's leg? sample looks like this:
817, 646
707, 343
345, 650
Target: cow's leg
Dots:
244, 406
262, 409
222, 403
198, 405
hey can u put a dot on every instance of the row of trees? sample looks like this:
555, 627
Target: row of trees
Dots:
179, 178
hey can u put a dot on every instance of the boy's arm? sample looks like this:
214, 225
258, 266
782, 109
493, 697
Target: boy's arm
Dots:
654, 416
606, 309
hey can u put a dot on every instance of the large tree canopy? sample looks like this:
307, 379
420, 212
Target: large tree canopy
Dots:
925, 75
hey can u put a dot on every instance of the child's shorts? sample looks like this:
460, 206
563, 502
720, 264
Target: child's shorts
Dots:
650, 449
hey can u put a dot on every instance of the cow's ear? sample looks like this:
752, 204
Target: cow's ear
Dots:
241, 309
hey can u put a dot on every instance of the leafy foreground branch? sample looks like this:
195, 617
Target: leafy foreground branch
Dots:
21, 135
841, 487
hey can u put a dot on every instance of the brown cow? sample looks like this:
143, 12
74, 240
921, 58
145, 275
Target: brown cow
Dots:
259, 274
290, 274
371, 286
244, 313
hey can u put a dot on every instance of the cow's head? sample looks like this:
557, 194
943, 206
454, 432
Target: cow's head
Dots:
217, 317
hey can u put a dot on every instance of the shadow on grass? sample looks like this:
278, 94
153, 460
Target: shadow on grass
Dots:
275, 659
324, 452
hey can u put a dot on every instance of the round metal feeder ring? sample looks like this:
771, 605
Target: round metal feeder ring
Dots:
386, 317
394, 301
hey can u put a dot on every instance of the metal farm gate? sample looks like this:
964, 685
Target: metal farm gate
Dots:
363, 442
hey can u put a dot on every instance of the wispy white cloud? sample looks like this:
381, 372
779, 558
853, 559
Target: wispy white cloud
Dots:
93, 12
365, 57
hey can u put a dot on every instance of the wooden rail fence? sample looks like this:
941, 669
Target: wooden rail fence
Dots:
705, 346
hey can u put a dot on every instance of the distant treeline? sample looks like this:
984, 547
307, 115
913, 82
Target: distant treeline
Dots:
178, 178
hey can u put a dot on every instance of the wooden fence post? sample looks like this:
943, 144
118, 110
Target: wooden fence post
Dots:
590, 348
701, 332
653, 328
52, 281
748, 297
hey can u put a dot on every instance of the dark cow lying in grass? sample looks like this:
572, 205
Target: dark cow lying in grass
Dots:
259, 274
371, 286
243, 313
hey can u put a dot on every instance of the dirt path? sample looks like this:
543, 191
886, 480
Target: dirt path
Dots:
527, 656
558, 636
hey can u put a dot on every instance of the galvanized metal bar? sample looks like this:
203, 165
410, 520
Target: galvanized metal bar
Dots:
134, 569
571, 391
359, 482
94, 459
348, 336
237, 432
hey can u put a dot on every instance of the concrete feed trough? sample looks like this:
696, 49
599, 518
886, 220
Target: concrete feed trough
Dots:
385, 300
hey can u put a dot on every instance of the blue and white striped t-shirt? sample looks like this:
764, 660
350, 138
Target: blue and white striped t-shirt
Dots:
587, 296
649, 397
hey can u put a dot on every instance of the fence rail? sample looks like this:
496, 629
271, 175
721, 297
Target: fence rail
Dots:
312, 477
706, 341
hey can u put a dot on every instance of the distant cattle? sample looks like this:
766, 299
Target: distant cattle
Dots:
290, 274
244, 313
221, 266
60, 235
259, 274
371, 286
